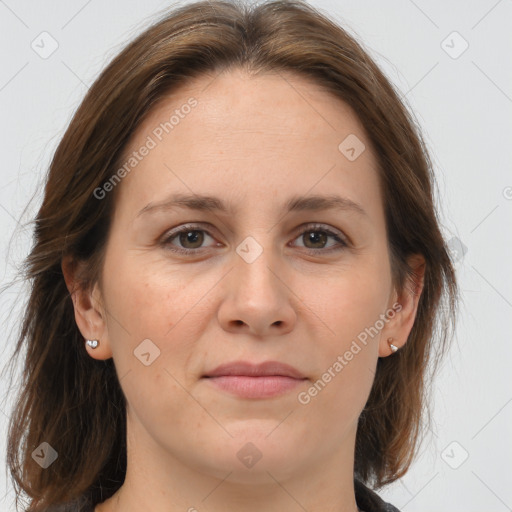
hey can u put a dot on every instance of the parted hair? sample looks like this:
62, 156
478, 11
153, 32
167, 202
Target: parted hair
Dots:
74, 402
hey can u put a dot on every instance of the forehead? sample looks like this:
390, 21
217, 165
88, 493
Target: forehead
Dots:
251, 136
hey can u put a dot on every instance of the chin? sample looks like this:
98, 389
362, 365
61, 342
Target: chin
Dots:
251, 454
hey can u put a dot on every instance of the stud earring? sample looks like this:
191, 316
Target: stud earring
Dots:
92, 343
393, 348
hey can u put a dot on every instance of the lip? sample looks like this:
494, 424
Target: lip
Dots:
266, 368
246, 380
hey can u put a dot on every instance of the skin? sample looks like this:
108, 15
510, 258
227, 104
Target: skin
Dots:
253, 142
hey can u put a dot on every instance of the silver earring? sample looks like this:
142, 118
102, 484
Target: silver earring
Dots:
393, 348
92, 343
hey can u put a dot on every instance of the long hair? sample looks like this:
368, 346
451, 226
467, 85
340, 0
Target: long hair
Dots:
74, 402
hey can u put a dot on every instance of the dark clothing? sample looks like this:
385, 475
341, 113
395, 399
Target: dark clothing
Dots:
366, 499
369, 501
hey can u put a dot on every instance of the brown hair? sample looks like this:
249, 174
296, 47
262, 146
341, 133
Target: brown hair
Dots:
74, 402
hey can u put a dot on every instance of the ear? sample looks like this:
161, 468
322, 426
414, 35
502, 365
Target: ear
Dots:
89, 315
405, 307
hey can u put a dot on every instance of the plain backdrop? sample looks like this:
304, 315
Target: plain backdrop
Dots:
451, 61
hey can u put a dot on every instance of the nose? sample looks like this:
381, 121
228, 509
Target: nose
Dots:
257, 298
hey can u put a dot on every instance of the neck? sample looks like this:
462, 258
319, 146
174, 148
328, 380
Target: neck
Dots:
162, 481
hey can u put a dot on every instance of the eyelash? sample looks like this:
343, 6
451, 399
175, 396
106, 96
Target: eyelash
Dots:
342, 244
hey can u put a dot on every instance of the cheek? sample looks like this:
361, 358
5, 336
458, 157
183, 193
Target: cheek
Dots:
353, 300
351, 308
144, 308
148, 297
151, 334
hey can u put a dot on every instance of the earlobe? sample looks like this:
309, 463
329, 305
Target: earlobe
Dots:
396, 332
88, 317
393, 348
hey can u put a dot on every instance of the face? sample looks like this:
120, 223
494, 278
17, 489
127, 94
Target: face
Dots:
187, 287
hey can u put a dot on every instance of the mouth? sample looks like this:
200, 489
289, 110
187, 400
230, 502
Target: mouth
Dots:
255, 387
265, 369
246, 380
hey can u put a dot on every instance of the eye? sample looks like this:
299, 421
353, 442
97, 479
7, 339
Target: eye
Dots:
316, 237
191, 238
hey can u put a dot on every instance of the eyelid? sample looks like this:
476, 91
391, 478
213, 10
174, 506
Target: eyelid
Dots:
165, 239
316, 226
342, 240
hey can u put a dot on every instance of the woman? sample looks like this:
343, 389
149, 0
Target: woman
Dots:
237, 277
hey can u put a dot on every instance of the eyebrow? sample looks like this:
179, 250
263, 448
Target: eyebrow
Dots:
215, 204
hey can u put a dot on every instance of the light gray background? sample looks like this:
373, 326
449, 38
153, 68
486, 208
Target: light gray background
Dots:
464, 106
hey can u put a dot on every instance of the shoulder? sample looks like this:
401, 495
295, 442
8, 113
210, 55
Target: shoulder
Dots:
369, 501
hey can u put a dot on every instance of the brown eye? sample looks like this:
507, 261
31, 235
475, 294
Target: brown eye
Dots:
318, 239
190, 239
315, 239
187, 240
193, 237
